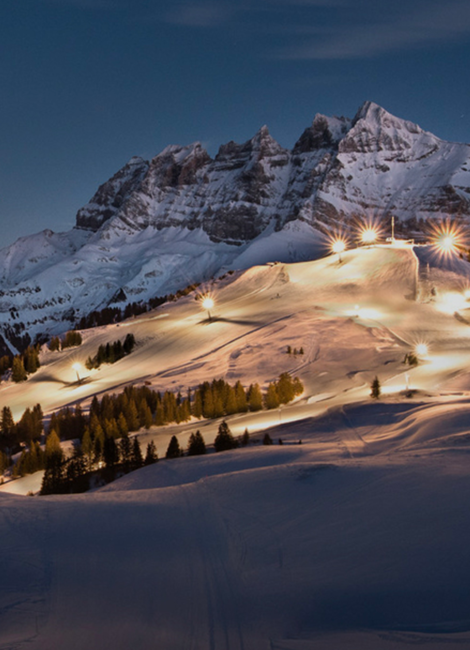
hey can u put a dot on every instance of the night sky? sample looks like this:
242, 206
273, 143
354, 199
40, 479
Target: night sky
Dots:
86, 84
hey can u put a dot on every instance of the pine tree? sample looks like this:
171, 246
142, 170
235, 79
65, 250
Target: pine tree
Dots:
208, 404
245, 438
132, 417
196, 444
255, 398
267, 440
136, 454
151, 455
7, 428
197, 404
224, 439
54, 344
4, 463
18, 373
110, 453
98, 444
169, 407
375, 388
298, 386
125, 449
122, 425
129, 343
87, 447
271, 399
77, 465
285, 389
230, 406
174, 449
53, 479
240, 396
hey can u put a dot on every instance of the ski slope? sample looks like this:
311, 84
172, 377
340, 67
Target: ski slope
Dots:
355, 539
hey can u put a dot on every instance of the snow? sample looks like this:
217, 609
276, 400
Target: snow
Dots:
372, 167
355, 539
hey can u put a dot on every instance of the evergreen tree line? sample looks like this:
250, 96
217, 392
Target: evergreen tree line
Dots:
27, 362
21, 364
71, 339
224, 441
28, 429
116, 415
110, 315
111, 352
75, 474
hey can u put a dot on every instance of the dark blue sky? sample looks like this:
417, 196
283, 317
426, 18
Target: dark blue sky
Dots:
86, 84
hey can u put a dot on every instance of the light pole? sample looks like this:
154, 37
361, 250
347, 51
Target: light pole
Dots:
76, 367
339, 247
207, 304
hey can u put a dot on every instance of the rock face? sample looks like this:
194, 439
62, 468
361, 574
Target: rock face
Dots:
157, 226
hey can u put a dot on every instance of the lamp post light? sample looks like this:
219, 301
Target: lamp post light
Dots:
369, 236
76, 367
207, 304
338, 247
422, 350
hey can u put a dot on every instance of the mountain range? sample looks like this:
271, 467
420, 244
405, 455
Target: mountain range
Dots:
157, 226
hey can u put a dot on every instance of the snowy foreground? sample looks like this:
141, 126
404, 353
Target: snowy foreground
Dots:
355, 539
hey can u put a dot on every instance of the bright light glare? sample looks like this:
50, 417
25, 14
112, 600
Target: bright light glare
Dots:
369, 236
338, 246
447, 243
368, 313
446, 239
421, 349
77, 366
207, 303
452, 302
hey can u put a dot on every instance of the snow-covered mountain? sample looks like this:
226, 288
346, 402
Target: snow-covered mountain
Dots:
158, 226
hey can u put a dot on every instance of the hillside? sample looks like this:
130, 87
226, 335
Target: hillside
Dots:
354, 539
183, 217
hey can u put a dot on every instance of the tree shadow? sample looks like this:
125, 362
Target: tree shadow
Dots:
233, 321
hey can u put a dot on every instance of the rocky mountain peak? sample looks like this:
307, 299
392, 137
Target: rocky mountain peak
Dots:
110, 196
176, 166
214, 209
374, 130
324, 133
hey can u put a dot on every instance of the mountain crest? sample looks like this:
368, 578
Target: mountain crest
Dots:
157, 226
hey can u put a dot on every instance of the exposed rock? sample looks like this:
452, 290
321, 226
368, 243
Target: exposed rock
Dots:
158, 226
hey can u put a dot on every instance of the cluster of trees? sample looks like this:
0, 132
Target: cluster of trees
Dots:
30, 461
219, 398
411, 359
197, 446
110, 315
71, 339
28, 429
294, 351
75, 474
117, 415
111, 352
21, 364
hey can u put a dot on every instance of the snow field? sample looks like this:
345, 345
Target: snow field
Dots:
356, 538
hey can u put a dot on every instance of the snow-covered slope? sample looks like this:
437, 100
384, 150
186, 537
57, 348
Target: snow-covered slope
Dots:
356, 539
158, 226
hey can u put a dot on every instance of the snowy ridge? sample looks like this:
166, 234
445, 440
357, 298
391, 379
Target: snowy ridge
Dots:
158, 226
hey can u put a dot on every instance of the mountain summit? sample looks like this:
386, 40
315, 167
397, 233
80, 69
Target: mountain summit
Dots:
157, 226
